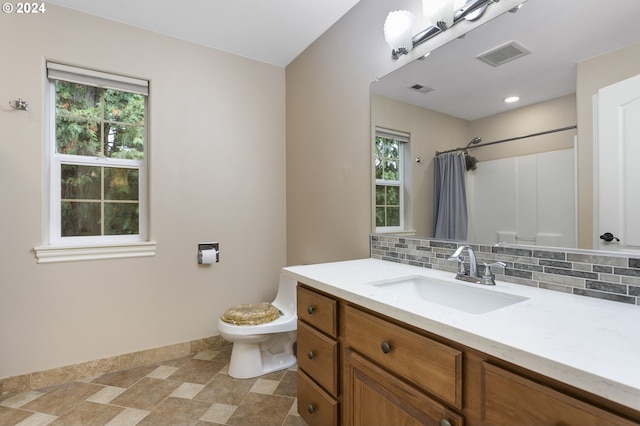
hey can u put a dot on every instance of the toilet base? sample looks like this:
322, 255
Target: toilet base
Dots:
253, 359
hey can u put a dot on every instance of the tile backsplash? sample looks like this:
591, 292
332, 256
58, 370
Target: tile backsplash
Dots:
590, 273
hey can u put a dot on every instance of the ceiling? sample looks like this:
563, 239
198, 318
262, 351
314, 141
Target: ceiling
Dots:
559, 34
271, 31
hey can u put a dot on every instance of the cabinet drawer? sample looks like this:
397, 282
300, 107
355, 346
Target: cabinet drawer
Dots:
314, 405
318, 357
509, 399
318, 310
432, 366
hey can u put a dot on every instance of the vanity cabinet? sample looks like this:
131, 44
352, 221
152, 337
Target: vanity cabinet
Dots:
509, 398
317, 353
358, 367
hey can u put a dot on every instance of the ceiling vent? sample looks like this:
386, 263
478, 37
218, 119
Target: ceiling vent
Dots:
503, 54
420, 88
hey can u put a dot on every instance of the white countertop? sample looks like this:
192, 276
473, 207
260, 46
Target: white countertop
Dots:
589, 343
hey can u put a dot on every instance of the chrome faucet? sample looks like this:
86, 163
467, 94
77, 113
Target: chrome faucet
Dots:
487, 277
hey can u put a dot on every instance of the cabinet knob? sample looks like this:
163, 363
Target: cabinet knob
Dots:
444, 422
385, 346
309, 309
311, 408
310, 355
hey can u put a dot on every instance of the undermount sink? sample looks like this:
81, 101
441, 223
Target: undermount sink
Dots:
462, 297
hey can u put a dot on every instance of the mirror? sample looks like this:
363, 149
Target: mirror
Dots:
571, 49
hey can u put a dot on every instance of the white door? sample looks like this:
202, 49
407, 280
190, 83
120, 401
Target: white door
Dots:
617, 166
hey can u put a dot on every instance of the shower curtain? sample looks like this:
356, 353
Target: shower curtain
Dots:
449, 197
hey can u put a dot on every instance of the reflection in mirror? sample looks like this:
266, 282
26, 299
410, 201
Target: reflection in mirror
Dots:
534, 190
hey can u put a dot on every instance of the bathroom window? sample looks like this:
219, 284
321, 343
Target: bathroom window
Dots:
390, 180
97, 143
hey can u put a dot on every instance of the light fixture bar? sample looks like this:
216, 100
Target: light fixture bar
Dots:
472, 10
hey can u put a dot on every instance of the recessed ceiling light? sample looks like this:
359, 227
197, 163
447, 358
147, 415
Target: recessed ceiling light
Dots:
512, 99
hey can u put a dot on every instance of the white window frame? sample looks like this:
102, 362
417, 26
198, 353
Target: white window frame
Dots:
61, 249
404, 183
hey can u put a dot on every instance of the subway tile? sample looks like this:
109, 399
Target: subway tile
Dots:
602, 269
527, 267
611, 278
512, 251
559, 279
556, 264
597, 259
571, 272
603, 295
606, 286
627, 271
558, 270
556, 287
544, 254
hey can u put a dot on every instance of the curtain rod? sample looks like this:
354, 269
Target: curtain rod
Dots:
561, 129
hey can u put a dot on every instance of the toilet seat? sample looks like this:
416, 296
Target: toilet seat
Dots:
251, 314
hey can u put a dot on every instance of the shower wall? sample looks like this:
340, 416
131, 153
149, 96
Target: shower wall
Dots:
527, 199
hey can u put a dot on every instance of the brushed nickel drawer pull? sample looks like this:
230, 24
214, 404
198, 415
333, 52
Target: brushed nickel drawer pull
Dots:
311, 408
309, 309
385, 346
444, 422
310, 355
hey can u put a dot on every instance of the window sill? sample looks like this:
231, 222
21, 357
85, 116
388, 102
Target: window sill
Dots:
55, 254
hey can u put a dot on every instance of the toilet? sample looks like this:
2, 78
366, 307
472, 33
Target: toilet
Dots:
262, 344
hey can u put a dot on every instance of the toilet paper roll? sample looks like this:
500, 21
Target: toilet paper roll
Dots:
208, 256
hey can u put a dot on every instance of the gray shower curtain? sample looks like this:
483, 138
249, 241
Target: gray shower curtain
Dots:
450, 197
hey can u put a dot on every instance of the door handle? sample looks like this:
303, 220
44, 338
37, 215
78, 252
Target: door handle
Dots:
608, 237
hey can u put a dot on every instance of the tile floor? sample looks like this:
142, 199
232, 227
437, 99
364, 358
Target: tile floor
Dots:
193, 390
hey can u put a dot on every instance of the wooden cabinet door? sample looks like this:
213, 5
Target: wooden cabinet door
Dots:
374, 396
510, 399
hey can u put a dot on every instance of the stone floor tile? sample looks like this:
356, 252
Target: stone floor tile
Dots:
293, 420
265, 386
198, 371
12, 416
259, 409
62, 398
88, 414
162, 372
218, 413
37, 419
17, 401
124, 378
106, 395
176, 411
146, 394
207, 355
224, 389
288, 385
128, 417
187, 390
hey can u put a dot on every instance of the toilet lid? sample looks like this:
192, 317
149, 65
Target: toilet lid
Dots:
251, 314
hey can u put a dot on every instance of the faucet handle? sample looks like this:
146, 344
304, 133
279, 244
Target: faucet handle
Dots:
487, 267
460, 259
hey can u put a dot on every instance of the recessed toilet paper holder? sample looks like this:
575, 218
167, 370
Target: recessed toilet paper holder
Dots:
206, 247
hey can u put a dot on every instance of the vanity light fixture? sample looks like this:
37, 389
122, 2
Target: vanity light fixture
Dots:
439, 12
512, 99
442, 14
397, 31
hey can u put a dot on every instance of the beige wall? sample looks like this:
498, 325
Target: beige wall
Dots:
592, 75
328, 129
541, 117
217, 172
